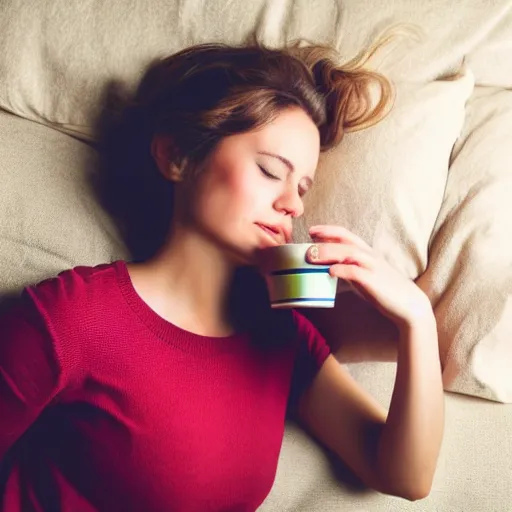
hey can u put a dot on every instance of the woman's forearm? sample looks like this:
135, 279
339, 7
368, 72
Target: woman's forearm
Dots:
410, 441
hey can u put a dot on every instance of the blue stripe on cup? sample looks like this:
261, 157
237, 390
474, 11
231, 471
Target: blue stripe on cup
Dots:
294, 271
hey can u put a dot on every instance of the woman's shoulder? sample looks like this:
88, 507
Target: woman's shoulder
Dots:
73, 291
51, 320
76, 280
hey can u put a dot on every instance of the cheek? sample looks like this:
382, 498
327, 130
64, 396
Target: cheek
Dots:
225, 192
238, 186
243, 190
251, 196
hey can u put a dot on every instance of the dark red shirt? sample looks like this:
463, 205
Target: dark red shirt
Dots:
104, 405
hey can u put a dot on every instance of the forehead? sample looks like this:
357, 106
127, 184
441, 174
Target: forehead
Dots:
292, 135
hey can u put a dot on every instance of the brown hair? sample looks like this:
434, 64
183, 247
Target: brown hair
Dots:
207, 92
210, 91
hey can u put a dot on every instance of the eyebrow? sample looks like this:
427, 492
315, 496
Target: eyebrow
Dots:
279, 157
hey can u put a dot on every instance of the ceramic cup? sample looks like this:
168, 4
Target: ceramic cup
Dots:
293, 282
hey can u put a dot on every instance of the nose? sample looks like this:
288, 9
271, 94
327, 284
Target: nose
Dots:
290, 203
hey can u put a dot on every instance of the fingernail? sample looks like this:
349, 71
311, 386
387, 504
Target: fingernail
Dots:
313, 252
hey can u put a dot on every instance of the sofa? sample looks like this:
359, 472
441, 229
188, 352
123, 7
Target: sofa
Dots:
430, 187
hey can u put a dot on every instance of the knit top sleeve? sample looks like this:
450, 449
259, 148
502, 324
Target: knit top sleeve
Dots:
312, 352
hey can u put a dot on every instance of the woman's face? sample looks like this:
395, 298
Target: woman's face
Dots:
252, 185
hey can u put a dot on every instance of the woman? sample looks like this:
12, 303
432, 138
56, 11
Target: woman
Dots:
163, 384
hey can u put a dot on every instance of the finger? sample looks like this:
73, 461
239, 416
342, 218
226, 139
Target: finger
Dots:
350, 275
326, 233
357, 278
338, 234
333, 253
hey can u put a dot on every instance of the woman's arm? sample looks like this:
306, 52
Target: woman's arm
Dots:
411, 440
395, 452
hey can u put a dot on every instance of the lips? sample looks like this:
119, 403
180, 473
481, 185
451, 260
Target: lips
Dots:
277, 233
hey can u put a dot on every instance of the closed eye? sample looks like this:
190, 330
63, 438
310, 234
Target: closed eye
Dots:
268, 174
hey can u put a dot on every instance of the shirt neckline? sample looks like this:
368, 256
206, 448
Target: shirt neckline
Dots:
166, 330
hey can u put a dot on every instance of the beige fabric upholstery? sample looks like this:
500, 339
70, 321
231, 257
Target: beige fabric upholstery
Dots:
469, 271
49, 217
46, 46
386, 183
473, 473
469, 278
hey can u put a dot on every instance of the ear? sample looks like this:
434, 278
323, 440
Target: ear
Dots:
164, 152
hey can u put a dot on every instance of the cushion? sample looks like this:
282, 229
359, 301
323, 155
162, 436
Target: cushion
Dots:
471, 253
490, 58
59, 59
386, 184
51, 220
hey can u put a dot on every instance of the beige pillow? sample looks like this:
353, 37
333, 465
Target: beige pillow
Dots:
490, 58
59, 58
386, 183
49, 217
469, 278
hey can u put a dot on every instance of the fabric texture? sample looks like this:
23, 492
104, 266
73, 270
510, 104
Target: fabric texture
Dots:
50, 215
469, 279
122, 410
391, 195
387, 184
82, 52
472, 475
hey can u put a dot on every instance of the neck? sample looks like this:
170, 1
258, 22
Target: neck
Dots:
188, 282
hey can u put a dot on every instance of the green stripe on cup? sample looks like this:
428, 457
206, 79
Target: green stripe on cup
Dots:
298, 286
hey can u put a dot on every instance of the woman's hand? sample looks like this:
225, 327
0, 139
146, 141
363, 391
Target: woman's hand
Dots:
369, 274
